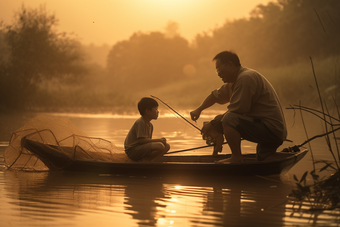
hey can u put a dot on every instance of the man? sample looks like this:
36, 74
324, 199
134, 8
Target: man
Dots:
254, 112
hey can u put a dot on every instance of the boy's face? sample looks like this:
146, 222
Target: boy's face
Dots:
153, 113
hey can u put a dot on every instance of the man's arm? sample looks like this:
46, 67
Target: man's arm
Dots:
208, 102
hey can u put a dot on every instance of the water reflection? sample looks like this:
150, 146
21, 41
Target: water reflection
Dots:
244, 204
145, 201
72, 198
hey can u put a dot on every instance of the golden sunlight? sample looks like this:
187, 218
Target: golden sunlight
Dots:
165, 10
170, 4
107, 21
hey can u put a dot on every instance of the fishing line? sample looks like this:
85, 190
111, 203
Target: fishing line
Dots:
195, 148
177, 113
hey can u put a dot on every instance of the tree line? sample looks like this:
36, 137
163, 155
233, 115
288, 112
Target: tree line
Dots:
33, 52
274, 35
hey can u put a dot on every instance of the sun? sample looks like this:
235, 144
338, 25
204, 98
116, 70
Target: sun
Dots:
170, 3
170, 6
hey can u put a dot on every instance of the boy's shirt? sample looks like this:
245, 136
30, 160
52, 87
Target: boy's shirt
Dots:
138, 130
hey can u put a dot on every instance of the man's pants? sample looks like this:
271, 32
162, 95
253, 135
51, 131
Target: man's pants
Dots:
254, 130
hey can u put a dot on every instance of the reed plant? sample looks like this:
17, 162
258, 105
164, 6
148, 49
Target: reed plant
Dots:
324, 193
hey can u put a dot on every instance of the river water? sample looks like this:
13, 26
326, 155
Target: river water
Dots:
79, 199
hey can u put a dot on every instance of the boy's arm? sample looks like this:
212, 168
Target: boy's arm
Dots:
143, 140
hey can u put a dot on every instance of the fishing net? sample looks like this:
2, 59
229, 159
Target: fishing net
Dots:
32, 145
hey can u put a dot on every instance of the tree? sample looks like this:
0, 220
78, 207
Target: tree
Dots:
148, 60
3, 47
36, 53
279, 33
171, 29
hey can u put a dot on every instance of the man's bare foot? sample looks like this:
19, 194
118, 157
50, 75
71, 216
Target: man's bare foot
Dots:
229, 160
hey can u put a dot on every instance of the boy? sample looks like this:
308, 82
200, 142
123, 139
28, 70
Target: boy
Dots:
139, 145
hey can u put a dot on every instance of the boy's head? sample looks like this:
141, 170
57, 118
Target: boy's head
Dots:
146, 103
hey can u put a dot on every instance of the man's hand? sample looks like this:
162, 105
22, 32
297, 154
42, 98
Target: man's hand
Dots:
208, 133
195, 114
206, 129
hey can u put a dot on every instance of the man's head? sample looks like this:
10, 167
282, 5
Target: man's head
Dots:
147, 104
227, 66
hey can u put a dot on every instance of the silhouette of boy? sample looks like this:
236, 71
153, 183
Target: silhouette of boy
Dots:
139, 145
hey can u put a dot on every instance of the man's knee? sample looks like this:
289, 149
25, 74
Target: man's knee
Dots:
230, 119
229, 129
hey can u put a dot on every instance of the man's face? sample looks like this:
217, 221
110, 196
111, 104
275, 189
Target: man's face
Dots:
224, 71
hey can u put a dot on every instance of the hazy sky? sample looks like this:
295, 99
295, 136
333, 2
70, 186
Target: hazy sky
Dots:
108, 21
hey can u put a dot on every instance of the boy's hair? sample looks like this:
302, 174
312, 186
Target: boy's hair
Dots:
227, 56
146, 103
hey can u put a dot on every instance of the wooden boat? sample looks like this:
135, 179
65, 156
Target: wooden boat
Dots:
179, 165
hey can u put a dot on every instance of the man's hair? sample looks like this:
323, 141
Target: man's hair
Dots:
146, 103
226, 56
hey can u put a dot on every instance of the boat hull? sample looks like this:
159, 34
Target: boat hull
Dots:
189, 168
180, 165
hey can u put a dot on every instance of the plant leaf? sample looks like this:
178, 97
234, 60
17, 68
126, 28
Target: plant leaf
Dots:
325, 167
295, 178
303, 176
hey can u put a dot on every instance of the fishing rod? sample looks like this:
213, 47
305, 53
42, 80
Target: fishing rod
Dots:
176, 113
172, 109
194, 148
187, 122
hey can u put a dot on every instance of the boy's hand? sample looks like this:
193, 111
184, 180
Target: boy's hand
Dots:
163, 140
